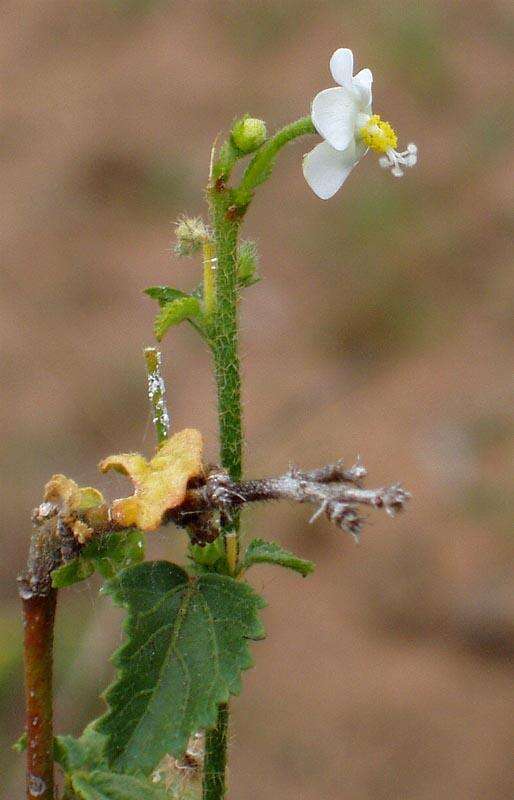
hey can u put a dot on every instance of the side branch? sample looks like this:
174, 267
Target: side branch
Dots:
337, 492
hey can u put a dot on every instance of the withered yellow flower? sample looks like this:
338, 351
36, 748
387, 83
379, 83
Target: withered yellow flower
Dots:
72, 498
159, 484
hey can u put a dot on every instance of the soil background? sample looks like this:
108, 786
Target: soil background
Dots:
382, 327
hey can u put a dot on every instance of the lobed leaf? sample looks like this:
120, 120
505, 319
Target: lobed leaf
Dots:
160, 484
185, 650
259, 551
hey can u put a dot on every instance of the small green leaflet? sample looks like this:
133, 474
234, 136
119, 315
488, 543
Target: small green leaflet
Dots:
259, 551
164, 294
85, 753
186, 647
100, 785
175, 312
108, 554
85, 765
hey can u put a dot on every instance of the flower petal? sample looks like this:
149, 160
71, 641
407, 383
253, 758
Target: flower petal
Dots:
333, 114
361, 85
341, 67
326, 169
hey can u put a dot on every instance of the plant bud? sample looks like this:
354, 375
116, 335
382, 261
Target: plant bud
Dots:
191, 233
248, 134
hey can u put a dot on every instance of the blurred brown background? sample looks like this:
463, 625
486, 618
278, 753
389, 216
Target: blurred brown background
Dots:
381, 327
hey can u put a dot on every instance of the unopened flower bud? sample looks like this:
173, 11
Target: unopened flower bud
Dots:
191, 233
248, 134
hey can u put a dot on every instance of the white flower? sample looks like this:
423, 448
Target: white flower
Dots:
343, 116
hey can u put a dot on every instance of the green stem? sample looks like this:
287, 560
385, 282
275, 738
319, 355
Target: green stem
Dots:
225, 334
214, 776
259, 168
227, 207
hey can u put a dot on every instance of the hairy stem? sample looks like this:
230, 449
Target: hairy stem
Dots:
259, 168
225, 335
227, 207
215, 765
38, 618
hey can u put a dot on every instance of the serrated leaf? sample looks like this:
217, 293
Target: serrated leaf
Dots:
159, 484
164, 294
108, 554
84, 753
186, 648
175, 312
259, 551
102, 785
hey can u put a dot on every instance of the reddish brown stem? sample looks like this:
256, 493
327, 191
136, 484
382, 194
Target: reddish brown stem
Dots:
38, 617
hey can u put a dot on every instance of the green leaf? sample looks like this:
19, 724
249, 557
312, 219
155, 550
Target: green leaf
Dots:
115, 551
185, 650
85, 753
74, 571
108, 554
164, 294
100, 785
175, 312
260, 551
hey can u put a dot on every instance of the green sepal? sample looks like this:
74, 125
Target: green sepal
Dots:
107, 554
174, 312
104, 785
259, 551
186, 646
